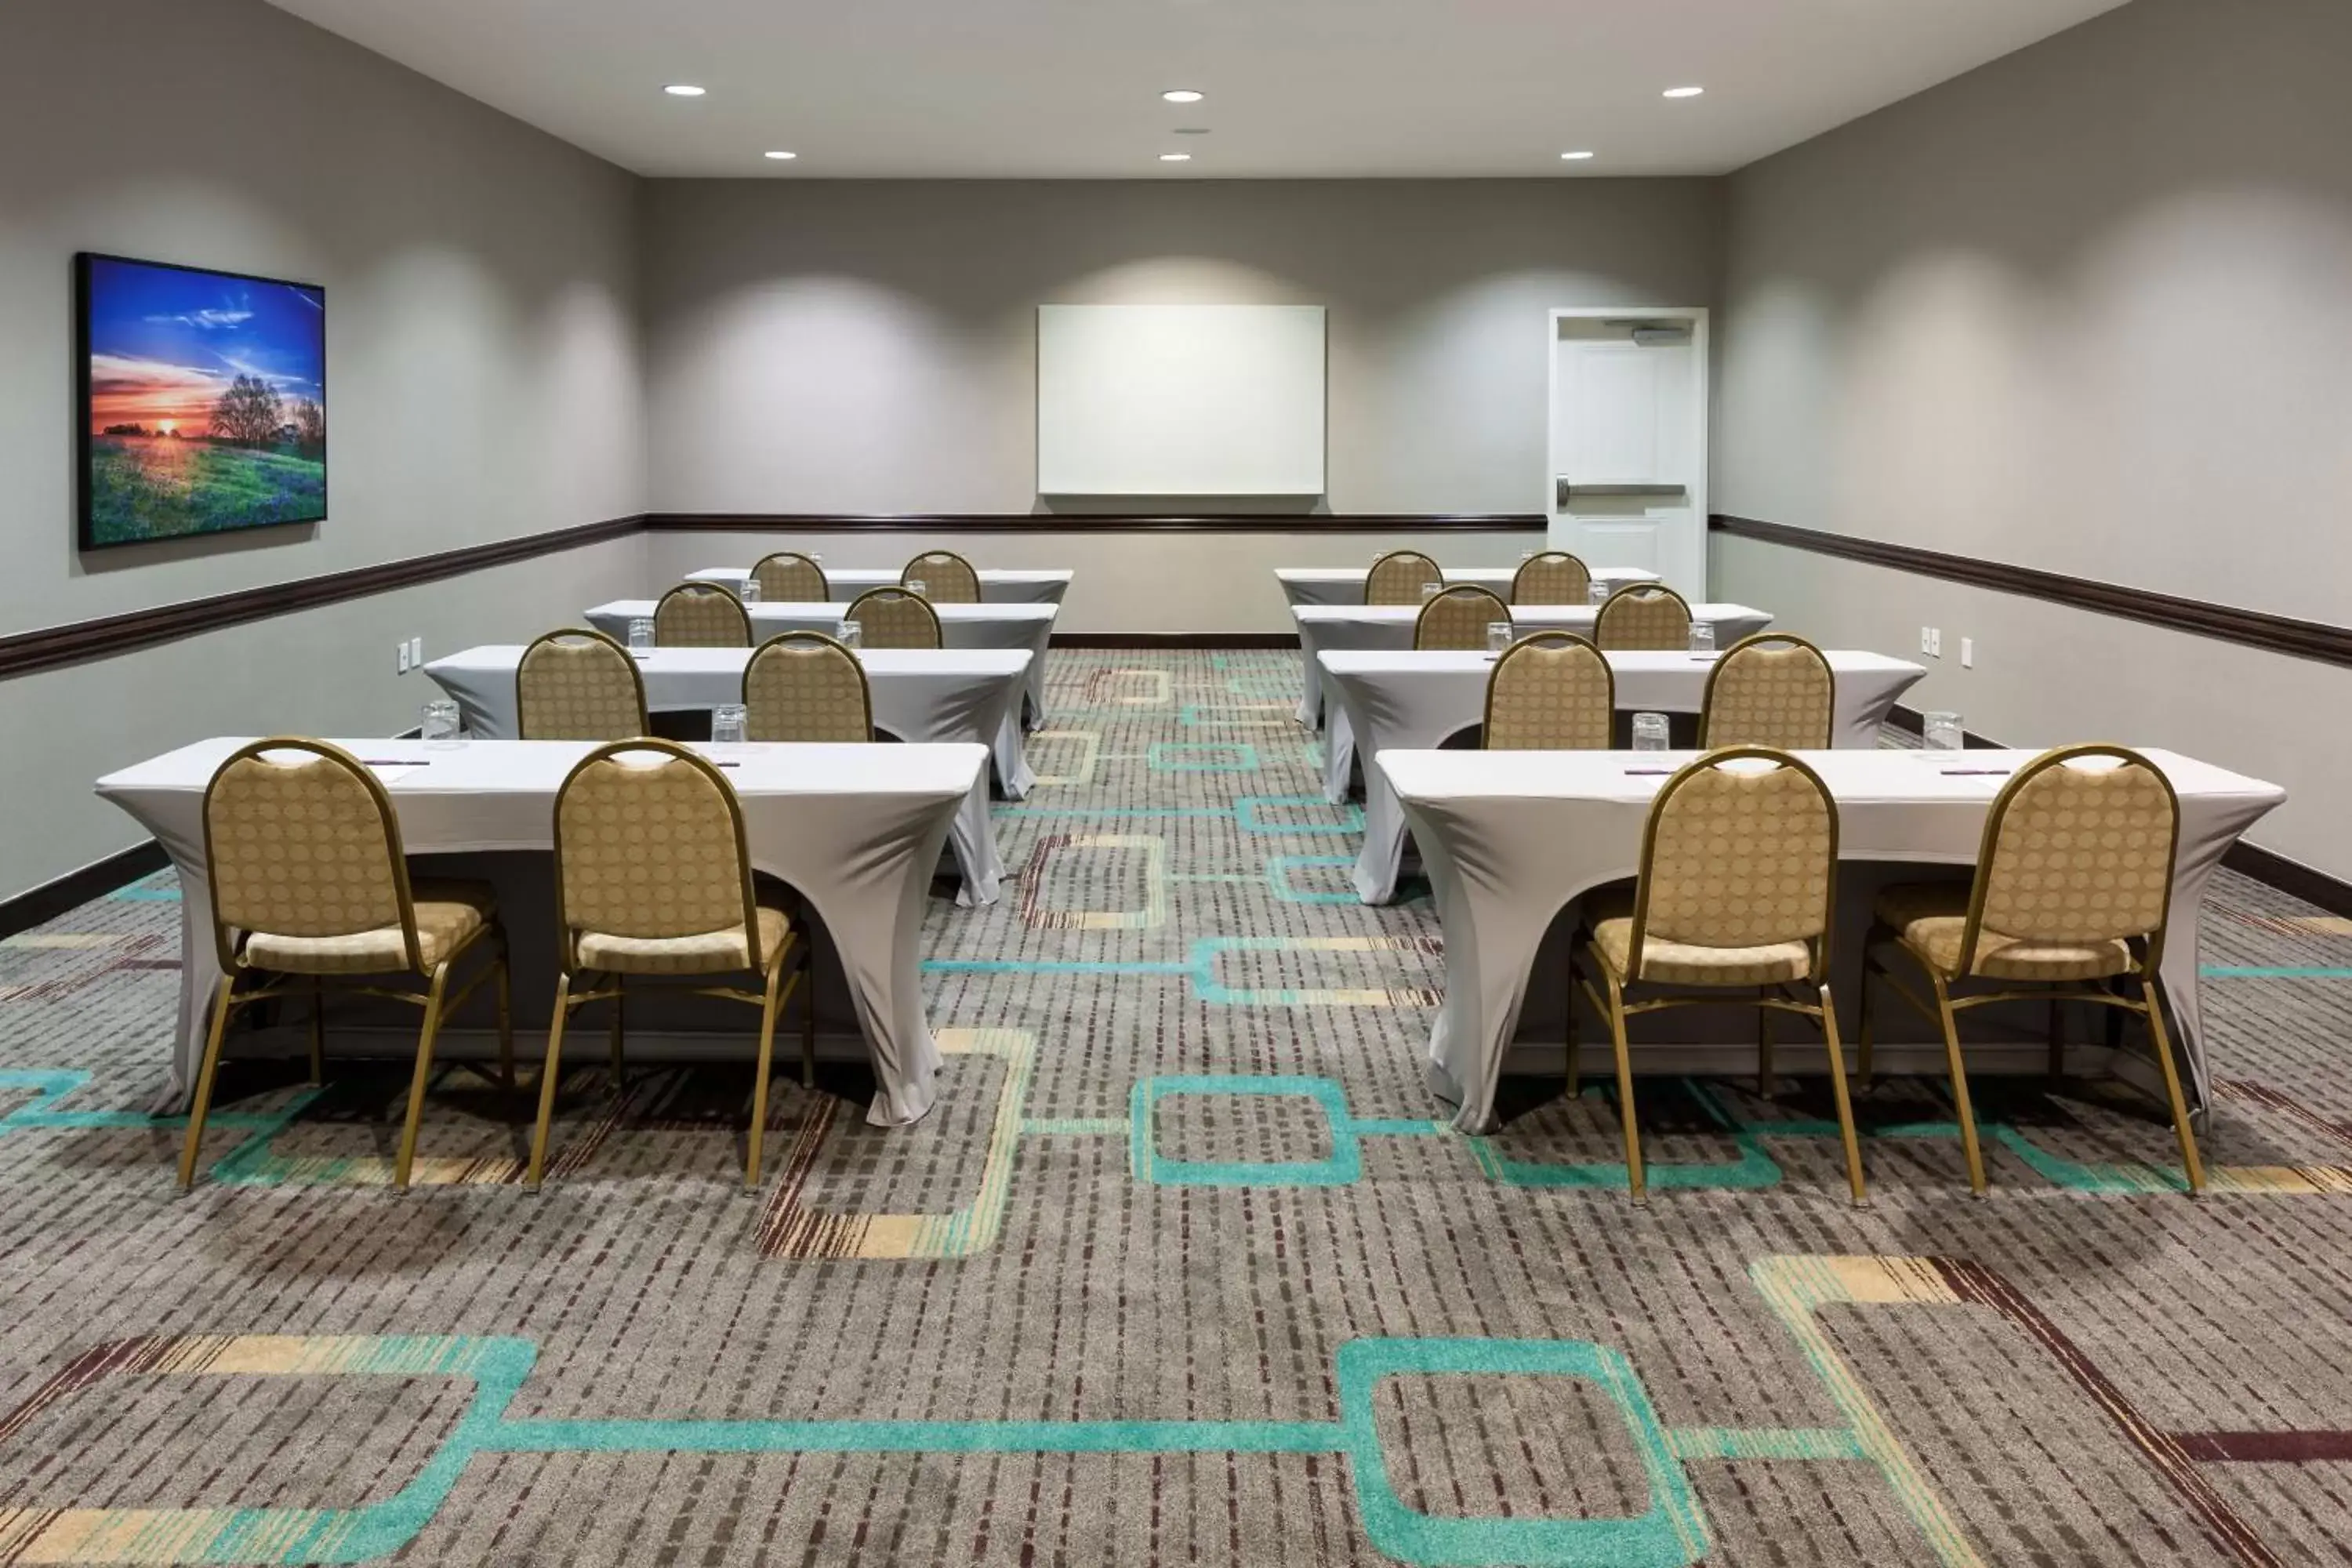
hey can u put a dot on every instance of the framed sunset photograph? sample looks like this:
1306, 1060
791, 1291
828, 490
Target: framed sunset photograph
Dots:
203, 401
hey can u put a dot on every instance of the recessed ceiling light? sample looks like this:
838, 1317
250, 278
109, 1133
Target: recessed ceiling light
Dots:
684, 89
783, 157
1576, 157
1183, 95
1684, 91
1175, 157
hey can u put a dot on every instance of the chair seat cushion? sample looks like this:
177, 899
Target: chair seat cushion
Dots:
707, 952
449, 914
1610, 917
1929, 917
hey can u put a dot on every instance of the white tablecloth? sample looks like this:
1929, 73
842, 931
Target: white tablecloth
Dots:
997, 585
1414, 701
919, 696
1331, 628
856, 829
1029, 627
1345, 584
1509, 837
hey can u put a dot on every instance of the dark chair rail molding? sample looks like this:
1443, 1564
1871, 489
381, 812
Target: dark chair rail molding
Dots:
78, 642
2248, 628
1103, 523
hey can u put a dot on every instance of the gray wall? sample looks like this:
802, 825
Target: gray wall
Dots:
2088, 308
870, 347
483, 373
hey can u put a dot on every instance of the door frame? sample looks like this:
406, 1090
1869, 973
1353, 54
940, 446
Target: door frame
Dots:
1698, 316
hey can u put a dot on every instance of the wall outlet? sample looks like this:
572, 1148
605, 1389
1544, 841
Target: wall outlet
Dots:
400, 653
1935, 642
1968, 653
1926, 638
417, 652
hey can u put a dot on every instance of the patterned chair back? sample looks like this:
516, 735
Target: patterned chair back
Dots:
947, 578
576, 685
805, 687
1554, 577
788, 577
1643, 615
649, 843
701, 614
1771, 689
1396, 578
1739, 856
892, 618
300, 840
1553, 691
2073, 856
1457, 620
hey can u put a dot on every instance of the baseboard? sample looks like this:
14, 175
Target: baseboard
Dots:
1176, 639
2308, 883
75, 889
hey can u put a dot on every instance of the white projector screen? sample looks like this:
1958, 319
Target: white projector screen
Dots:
1179, 400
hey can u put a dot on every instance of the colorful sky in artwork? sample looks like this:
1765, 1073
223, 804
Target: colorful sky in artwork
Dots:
165, 343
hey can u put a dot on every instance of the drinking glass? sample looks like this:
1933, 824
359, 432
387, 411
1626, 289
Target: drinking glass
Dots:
1431, 590
440, 727
1942, 732
641, 632
749, 594
1649, 731
1597, 592
1526, 556
1701, 637
853, 635
726, 724
917, 587
1498, 635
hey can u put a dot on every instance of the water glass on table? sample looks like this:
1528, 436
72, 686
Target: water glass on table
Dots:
441, 727
1649, 731
641, 633
1942, 732
1597, 591
917, 587
1498, 635
749, 591
1701, 637
729, 724
1431, 590
852, 635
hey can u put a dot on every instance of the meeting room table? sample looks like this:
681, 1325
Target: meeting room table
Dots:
1029, 627
855, 830
920, 695
1345, 584
998, 586
1416, 701
1510, 838
1331, 628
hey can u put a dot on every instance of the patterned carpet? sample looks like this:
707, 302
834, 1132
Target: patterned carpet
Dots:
1181, 1271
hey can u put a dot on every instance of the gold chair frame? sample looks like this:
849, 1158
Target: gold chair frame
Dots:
522, 705
703, 591
2146, 952
1435, 574
953, 563
894, 596
1809, 998
825, 583
1460, 593
1637, 593
1758, 639
793, 957
1545, 559
436, 999
1551, 639
808, 638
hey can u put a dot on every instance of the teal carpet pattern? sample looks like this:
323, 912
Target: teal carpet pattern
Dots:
1185, 1268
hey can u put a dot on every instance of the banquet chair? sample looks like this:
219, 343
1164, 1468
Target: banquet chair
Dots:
577, 685
1736, 893
308, 881
805, 687
2072, 895
892, 618
1643, 615
790, 578
1554, 577
1771, 689
947, 578
1457, 620
652, 880
1396, 578
1553, 691
701, 614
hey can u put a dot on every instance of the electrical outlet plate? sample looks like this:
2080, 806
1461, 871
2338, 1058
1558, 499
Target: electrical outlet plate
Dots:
1935, 642
1968, 653
400, 651
417, 652
1925, 638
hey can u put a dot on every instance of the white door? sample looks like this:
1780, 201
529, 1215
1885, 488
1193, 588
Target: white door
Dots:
1628, 481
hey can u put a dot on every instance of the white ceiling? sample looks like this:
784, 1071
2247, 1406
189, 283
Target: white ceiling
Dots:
1297, 87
